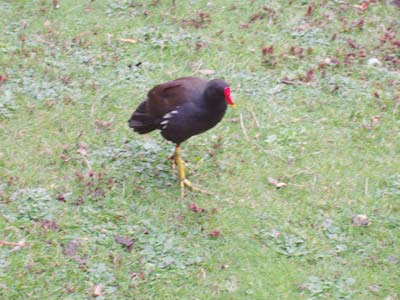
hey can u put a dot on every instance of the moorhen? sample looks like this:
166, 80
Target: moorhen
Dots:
180, 109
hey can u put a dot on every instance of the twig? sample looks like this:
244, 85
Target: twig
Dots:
254, 116
242, 125
287, 81
13, 244
366, 187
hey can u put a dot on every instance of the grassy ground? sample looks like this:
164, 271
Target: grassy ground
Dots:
97, 207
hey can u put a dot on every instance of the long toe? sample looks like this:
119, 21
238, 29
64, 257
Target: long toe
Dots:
194, 188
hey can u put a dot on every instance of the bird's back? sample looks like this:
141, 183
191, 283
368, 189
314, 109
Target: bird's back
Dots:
163, 99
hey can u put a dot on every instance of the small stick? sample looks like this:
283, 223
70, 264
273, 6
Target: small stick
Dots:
13, 244
287, 81
254, 116
242, 125
366, 187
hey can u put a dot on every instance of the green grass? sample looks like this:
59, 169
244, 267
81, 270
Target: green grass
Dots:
71, 182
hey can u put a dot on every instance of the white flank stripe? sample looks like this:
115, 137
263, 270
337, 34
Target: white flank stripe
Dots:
170, 114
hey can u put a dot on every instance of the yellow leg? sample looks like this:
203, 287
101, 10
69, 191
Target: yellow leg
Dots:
181, 171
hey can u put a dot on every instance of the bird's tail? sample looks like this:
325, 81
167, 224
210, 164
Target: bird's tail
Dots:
141, 121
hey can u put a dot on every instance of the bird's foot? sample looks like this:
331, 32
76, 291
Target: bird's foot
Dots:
187, 183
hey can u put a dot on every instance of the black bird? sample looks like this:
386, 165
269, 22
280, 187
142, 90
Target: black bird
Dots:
180, 109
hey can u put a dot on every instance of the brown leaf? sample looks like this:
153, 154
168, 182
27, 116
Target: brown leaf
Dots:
257, 16
71, 249
309, 76
360, 23
200, 21
215, 233
244, 25
352, 43
82, 150
310, 10
267, 50
200, 45
375, 119
103, 124
64, 157
49, 225
98, 290
3, 79
363, 6
276, 183
124, 241
206, 72
193, 207
361, 220
139, 275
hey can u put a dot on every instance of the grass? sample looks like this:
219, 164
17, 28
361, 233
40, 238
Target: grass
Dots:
97, 207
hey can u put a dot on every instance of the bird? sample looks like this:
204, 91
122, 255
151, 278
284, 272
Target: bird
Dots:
180, 109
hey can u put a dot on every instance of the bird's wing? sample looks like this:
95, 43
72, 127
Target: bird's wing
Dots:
166, 97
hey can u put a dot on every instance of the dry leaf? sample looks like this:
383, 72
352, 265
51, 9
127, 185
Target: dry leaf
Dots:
206, 72
103, 124
3, 79
267, 50
124, 241
97, 291
82, 150
215, 233
276, 183
71, 251
363, 6
361, 220
352, 43
193, 207
375, 119
49, 225
131, 41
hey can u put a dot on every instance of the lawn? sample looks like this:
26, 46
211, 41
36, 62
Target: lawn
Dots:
305, 173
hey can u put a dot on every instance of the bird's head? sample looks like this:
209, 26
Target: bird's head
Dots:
219, 88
